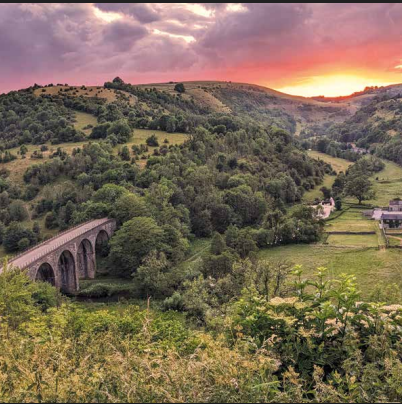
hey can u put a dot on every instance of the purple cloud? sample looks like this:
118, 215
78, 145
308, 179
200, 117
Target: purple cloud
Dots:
258, 42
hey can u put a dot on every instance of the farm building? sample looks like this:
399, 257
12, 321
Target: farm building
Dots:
391, 220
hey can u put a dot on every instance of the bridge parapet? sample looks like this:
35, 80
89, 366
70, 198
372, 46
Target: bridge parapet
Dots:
69, 255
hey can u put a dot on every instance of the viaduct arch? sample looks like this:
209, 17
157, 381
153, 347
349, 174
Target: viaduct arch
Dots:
68, 257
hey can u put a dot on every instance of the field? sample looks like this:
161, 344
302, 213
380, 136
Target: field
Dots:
387, 186
351, 220
355, 240
337, 164
313, 194
362, 255
140, 136
372, 267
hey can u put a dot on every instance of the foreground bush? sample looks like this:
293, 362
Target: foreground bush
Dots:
274, 350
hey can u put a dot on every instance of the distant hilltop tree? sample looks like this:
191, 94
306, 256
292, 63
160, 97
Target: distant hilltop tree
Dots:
118, 80
179, 87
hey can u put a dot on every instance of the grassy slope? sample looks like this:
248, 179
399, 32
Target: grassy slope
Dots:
337, 164
221, 96
19, 166
109, 95
82, 120
387, 187
370, 265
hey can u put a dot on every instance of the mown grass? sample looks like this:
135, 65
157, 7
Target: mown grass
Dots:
366, 240
395, 241
351, 225
370, 265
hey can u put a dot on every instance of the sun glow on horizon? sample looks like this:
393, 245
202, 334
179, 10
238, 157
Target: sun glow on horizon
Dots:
332, 85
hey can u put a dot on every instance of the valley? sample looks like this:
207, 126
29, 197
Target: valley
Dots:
213, 193
201, 203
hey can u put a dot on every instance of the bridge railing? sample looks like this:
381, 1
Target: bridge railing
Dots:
49, 240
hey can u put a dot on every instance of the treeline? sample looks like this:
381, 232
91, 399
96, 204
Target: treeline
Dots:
26, 118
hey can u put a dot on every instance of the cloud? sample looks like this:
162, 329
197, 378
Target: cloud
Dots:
267, 43
123, 35
142, 12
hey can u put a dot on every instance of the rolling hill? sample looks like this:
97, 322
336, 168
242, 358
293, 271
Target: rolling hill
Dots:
292, 113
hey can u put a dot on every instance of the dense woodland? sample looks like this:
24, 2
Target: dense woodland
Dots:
236, 329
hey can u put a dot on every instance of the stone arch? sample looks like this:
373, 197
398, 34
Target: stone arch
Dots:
101, 243
67, 268
86, 260
45, 273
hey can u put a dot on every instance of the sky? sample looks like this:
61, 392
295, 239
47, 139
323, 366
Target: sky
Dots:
303, 49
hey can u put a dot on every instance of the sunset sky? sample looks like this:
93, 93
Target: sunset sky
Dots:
303, 49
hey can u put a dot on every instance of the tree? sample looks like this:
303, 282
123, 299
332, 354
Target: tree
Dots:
69, 212
129, 206
153, 275
218, 244
51, 221
23, 150
109, 194
121, 129
36, 229
4, 200
2, 231
125, 153
179, 87
23, 244
100, 131
18, 211
14, 233
133, 242
359, 186
326, 192
152, 141
338, 204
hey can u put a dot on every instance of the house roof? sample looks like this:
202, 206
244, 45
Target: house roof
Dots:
391, 216
395, 202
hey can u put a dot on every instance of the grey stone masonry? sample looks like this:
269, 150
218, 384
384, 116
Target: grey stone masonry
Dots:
68, 257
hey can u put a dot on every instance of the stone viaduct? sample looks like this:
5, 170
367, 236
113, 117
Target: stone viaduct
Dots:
68, 257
